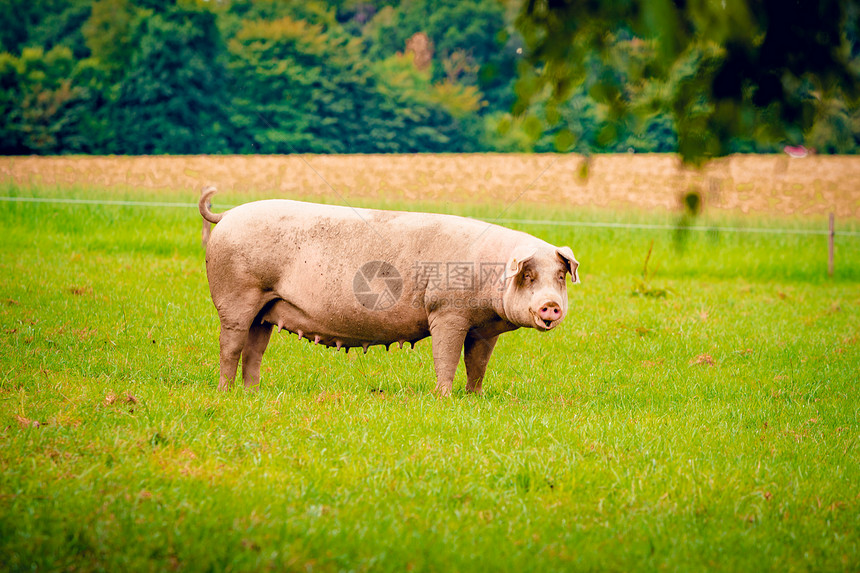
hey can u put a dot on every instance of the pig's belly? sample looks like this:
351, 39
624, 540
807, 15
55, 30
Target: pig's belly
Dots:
346, 330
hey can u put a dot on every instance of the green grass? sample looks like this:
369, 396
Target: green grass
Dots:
713, 428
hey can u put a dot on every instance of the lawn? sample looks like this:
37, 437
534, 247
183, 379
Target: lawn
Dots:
697, 412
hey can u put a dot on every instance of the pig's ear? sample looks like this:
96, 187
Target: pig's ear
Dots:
572, 264
515, 262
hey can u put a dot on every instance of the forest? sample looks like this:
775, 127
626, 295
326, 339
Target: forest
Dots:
133, 77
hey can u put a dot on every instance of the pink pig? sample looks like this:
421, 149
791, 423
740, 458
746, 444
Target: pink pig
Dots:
348, 277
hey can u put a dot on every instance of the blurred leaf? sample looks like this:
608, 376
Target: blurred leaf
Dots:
532, 126
564, 140
730, 70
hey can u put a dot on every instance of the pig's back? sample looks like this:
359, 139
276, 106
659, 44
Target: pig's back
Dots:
336, 232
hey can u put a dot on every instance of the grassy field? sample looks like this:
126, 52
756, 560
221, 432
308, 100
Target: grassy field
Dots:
702, 416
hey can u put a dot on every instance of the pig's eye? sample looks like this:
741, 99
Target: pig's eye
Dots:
561, 277
527, 277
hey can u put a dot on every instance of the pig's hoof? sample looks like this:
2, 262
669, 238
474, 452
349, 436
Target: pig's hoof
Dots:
442, 391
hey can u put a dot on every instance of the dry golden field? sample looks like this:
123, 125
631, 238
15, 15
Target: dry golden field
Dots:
774, 184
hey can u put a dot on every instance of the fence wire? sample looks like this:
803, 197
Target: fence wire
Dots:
507, 221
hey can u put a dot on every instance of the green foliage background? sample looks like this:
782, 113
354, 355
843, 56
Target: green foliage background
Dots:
265, 76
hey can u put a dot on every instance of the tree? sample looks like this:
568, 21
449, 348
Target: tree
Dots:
471, 40
170, 98
279, 76
22, 17
63, 28
108, 34
40, 106
737, 68
297, 88
419, 115
306, 88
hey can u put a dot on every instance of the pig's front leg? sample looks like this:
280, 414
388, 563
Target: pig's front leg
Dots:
477, 355
447, 334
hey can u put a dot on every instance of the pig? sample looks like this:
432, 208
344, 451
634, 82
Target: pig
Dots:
348, 278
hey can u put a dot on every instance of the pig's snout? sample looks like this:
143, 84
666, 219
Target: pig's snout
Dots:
548, 315
550, 311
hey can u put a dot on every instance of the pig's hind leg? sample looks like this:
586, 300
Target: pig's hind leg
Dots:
252, 354
237, 314
232, 341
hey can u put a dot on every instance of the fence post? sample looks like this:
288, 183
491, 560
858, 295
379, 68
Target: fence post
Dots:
830, 244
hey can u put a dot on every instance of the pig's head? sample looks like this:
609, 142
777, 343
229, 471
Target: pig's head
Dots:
535, 292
